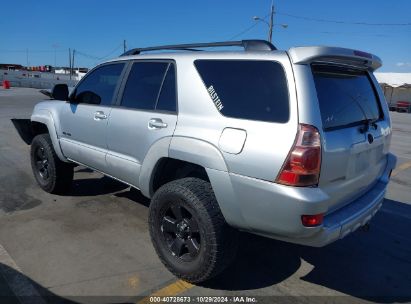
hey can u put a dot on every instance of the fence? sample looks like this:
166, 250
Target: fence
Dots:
37, 80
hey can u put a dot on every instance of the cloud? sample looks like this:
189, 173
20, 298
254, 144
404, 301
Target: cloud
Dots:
403, 64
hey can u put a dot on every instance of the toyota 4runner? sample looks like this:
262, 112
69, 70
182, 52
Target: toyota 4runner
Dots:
292, 145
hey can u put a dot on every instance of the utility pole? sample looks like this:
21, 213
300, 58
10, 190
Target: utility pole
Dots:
70, 62
271, 23
55, 46
27, 58
124, 46
270, 31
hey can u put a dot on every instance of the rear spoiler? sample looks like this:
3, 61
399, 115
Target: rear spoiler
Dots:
337, 55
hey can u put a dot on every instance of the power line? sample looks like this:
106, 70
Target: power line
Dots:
342, 22
63, 50
247, 29
322, 20
31, 51
114, 50
353, 33
98, 58
87, 55
356, 33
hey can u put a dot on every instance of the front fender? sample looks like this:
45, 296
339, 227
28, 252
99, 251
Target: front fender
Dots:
45, 117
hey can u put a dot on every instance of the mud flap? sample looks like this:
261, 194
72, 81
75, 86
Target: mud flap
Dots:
23, 127
47, 93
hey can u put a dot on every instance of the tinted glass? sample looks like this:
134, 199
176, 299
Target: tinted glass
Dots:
98, 87
167, 99
255, 90
346, 96
143, 85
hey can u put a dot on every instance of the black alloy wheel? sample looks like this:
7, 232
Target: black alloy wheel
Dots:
188, 230
51, 174
42, 163
181, 233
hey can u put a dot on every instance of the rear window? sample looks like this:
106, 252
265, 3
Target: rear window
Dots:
254, 90
346, 96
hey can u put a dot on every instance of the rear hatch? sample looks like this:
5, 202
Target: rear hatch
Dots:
354, 129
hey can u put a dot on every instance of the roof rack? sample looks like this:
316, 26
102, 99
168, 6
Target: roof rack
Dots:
248, 45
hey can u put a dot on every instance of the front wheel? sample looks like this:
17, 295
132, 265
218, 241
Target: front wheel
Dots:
189, 232
52, 175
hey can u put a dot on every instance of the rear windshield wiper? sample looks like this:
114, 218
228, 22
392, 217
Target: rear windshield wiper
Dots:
369, 123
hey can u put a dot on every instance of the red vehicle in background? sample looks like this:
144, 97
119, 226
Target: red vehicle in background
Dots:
404, 106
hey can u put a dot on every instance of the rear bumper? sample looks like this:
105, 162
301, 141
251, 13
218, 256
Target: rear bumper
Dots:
347, 219
275, 211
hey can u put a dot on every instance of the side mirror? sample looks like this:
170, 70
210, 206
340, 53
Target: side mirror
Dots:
60, 91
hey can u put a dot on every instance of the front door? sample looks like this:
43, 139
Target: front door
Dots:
84, 119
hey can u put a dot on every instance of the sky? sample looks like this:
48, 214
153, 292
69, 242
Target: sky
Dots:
40, 32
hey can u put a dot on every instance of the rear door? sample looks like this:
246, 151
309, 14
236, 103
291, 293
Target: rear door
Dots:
355, 132
145, 112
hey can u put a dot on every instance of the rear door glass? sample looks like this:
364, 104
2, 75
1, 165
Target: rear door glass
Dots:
247, 89
346, 96
167, 100
143, 85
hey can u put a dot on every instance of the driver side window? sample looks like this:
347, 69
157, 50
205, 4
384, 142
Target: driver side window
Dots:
98, 87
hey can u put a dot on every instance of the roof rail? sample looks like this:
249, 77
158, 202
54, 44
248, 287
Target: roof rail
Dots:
248, 45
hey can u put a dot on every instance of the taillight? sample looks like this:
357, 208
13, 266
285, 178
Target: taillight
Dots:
312, 220
302, 167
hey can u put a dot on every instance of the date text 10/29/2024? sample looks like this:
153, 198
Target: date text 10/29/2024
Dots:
203, 299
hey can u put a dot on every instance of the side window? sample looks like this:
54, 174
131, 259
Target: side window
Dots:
151, 86
247, 89
143, 85
167, 100
98, 87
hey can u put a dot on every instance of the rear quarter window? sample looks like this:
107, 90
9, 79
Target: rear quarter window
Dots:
247, 89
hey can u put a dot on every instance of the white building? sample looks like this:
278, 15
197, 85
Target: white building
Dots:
396, 86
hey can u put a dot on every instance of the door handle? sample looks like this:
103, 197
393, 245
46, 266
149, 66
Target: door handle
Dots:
99, 115
156, 123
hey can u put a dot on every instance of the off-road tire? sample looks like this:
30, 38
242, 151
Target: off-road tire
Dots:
59, 174
218, 240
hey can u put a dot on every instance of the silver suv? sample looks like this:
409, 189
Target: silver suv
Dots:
292, 145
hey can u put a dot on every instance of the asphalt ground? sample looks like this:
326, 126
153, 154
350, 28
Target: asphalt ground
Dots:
93, 245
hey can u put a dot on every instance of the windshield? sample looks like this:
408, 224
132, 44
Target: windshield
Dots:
346, 96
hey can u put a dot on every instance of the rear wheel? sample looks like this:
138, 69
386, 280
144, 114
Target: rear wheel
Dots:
189, 232
52, 175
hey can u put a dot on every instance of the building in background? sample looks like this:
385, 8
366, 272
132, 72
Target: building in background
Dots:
40, 77
11, 67
396, 87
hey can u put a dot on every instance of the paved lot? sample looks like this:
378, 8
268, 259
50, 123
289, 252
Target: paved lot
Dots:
93, 245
